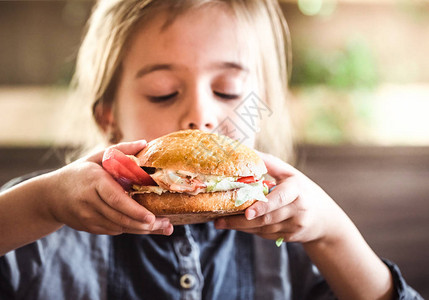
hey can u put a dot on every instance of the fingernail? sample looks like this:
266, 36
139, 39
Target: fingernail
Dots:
141, 143
168, 230
149, 219
165, 223
250, 214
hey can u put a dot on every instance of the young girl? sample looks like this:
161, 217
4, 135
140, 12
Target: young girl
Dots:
148, 68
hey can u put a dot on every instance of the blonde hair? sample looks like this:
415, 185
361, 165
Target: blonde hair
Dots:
113, 22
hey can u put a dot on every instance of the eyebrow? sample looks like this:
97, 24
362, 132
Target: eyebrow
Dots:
152, 68
231, 65
157, 67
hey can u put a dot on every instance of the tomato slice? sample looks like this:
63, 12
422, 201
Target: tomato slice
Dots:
247, 179
269, 184
124, 169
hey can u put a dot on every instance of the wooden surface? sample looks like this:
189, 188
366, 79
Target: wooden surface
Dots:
384, 190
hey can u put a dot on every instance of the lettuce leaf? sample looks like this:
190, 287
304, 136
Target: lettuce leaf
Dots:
223, 184
252, 191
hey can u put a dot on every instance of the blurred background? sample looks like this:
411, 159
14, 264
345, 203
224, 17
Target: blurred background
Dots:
360, 102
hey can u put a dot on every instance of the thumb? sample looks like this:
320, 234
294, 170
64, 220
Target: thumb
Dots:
277, 167
129, 148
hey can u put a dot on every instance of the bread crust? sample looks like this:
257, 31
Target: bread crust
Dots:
202, 152
182, 208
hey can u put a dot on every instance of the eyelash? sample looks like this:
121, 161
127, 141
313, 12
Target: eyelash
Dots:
162, 98
227, 96
165, 98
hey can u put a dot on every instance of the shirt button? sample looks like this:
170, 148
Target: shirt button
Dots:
187, 281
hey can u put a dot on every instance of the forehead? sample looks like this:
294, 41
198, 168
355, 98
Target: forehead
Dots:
193, 37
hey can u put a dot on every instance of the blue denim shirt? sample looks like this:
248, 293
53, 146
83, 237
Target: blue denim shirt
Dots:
195, 262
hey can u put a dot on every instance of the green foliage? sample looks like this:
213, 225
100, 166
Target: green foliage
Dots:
333, 116
352, 67
334, 88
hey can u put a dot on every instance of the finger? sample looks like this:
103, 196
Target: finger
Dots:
102, 225
266, 230
287, 236
130, 148
286, 230
99, 225
287, 226
277, 167
129, 223
166, 231
101, 229
240, 223
112, 193
284, 194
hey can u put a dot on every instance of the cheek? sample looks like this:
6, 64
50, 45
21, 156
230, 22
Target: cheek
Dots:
138, 120
246, 127
248, 113
233, 122
130, 123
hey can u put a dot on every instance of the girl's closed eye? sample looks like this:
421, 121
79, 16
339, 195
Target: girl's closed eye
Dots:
229, 87
227, 96
163, 98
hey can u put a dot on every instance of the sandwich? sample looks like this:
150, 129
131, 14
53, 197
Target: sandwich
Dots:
192, 176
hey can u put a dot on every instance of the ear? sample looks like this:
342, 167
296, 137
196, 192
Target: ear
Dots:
103, 115
105, 118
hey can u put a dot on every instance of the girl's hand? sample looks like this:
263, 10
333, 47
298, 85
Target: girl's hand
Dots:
86, 197
297, 209
300, 211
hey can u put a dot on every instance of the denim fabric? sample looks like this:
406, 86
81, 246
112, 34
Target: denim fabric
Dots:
403, 291
196, 262
64, 265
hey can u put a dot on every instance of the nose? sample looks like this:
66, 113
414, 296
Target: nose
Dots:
199, 113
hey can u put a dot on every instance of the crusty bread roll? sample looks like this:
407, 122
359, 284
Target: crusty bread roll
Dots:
183, 208
204, 153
